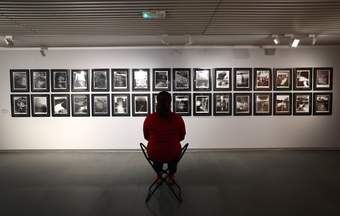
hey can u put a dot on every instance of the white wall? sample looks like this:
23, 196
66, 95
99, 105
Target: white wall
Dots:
202, 132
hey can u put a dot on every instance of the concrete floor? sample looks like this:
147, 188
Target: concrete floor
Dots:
214, 183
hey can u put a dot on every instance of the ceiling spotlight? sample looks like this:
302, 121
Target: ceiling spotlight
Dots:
276, 39
9, 40
314, 38
43, 51
295, 43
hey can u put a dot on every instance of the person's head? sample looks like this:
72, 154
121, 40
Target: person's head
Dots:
163, 107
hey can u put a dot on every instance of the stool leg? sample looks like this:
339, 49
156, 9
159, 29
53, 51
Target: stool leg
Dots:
177, 195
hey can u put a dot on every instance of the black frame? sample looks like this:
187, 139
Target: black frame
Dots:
236, 113
48, 108
67, 96
87, 96
127, 104
250, 80
175, 95
275, 102
330, 103
134, 87
229, 105
295, 87
229, 79
87, 82
330, 78
256, 87
134, 113
154, 71
295, 111
195, 70
174, 81
121, 70
270, 105
93, 104
12, 82
27, 106
53, 80
107, 80
47, 80
196, 113
290, 80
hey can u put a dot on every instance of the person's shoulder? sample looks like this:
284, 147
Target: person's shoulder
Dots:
151, 115
176, 116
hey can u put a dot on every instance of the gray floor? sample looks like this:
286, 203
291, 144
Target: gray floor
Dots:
214, 183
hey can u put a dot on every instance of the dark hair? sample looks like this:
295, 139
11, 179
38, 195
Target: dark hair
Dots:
163, 105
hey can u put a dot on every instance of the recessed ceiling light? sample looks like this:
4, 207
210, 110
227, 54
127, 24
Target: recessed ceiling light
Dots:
295, 43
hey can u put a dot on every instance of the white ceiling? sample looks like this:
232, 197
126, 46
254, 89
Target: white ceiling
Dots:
188, 22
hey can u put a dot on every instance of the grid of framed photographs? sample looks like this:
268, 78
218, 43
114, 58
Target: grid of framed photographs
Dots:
199, 91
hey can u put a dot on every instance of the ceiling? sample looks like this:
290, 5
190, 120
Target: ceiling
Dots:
188, 22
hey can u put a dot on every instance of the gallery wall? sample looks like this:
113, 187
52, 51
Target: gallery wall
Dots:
202, 131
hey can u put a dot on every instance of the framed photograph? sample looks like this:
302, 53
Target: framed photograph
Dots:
161, 79
181, 79
202, 79
323, 78
80, 105
19, 80
154, 102
141, 79
322, 103
140, 104
100, 80
302, 103
222, 79
263, 79
263, 103
242, 79
282, 103
202, 104
282, 79
100, 105
40, 80
302, 79
242, 104
40, 105
120, 105
120, 79
20, 105
80, 80
60, 105
222, 104
60, 80
182, 104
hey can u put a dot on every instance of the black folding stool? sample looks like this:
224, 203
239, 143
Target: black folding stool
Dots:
164, 176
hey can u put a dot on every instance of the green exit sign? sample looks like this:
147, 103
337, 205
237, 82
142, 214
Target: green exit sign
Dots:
153, 14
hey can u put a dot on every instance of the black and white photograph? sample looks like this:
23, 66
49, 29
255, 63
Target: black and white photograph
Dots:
323, 78
302, 103
60, 105
40, 105
161, 79
100, 80
19, 80
302, 79
60, 80
322, 103
20, 105
40, 80
242, 79
154, 101
80, 105
263, 104
282, 79
100, 104
80, 80
181, 79
222, 104
202, 79
182, 104
120, 79
242, 104
263, 79
120, 104
222, 79
140, 104
202, 104
141, 79
282, 103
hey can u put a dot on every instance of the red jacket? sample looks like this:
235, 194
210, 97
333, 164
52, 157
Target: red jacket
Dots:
164, 136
